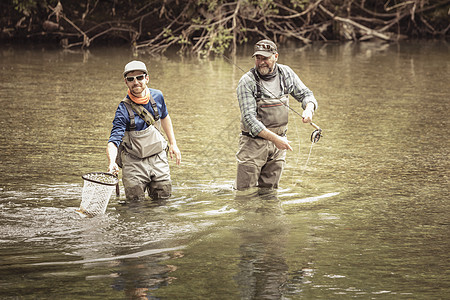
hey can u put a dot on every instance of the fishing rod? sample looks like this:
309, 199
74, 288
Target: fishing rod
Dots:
316, 134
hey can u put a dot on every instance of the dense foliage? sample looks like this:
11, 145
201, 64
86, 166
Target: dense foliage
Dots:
205, 27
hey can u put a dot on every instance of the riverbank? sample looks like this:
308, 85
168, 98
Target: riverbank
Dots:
206, 28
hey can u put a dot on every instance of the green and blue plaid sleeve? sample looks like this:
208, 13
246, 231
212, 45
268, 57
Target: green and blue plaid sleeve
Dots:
297, 89
247, 103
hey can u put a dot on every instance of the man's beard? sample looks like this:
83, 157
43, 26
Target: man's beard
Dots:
137, 90
264, 70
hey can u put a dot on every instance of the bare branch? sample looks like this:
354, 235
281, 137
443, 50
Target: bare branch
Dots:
362, 27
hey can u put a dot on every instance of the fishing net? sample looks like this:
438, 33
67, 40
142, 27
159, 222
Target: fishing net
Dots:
97, 190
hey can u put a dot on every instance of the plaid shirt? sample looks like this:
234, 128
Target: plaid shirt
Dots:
246, 94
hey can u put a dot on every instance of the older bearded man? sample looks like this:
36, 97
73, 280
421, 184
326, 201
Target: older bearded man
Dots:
263, 95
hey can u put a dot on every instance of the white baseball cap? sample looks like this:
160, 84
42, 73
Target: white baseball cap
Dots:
134, 65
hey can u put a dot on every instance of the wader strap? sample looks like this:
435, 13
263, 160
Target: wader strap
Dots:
142, 112
283, 81
155, 108
131, 114
258, 137
258, 84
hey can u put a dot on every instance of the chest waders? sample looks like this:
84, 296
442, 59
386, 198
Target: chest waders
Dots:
260, 162
147, 142
143, 159
272, 112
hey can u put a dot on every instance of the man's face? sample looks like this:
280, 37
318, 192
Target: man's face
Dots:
264, 65
138, 84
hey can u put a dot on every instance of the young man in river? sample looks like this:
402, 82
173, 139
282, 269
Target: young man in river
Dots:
136, 132
263, 95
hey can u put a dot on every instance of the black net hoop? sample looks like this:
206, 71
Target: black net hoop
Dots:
101, 178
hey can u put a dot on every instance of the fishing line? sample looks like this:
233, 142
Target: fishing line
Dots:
309, 155
317, 133
298, 155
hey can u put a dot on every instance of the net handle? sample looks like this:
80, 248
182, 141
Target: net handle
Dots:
116, 180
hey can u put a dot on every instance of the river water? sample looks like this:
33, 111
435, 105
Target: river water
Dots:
366, 216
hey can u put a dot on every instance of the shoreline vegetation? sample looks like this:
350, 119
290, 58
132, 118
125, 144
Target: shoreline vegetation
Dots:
213, 27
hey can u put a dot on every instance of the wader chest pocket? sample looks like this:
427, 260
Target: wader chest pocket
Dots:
272, 112
144, 143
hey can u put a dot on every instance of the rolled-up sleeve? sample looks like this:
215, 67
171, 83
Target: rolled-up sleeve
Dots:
247, 103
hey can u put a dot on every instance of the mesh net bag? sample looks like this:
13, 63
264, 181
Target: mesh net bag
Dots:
97, 190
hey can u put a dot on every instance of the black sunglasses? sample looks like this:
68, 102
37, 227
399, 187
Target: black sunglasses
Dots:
138, 77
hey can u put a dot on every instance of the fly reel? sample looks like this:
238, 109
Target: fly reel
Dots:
316, 134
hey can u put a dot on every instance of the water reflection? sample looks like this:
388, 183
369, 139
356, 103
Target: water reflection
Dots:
139, 277
263, 234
